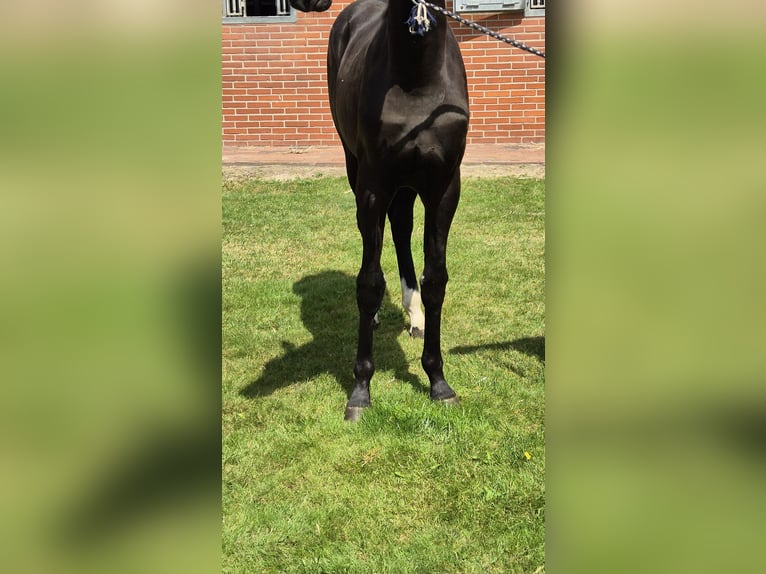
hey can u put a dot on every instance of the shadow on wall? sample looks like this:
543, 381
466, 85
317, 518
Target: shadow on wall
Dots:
329, 312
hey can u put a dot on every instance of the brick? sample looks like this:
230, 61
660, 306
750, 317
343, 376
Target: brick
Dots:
274, 81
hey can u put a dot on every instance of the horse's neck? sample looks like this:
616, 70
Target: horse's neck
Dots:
414, 60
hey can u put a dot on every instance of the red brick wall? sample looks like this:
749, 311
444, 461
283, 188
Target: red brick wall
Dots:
275, 93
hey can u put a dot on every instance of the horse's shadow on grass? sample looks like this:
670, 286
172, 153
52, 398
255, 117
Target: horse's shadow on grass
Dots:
329, 312
178, 460
530, 346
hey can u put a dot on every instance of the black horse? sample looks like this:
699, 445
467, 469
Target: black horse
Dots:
399, 100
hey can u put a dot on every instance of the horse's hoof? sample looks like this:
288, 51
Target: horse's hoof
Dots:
442, 393
353, 414
417, 333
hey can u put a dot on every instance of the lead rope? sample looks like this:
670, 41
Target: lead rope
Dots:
419, 25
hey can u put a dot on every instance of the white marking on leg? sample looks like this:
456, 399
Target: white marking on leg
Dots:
376, 319
412, 304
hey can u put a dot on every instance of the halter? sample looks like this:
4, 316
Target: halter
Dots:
420, 20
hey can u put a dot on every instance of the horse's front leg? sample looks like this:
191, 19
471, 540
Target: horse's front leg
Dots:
438, 218
370, 288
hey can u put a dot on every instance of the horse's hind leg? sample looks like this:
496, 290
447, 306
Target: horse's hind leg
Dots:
370, 288
400, 216
438, 218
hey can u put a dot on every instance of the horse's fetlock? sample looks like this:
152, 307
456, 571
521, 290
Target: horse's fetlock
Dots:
364, 369
431, 363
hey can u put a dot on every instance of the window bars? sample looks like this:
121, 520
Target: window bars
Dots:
235, 8
239, 8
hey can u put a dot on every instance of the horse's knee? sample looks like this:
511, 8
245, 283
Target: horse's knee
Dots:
433, 286
370, 288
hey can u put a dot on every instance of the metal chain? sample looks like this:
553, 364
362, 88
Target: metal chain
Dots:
482, 29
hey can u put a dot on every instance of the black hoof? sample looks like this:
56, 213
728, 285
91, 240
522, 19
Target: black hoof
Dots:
417, 333
442, 393
353, 414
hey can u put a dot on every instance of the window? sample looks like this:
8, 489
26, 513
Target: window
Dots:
488, 5
530, 7
534, 8
255, 11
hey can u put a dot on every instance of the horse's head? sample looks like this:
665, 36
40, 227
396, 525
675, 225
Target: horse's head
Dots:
311, 5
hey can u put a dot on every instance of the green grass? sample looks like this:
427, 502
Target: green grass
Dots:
414, 486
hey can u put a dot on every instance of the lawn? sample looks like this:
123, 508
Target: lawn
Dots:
413, 486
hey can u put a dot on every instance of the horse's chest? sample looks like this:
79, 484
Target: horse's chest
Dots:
421, 124
401, 114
